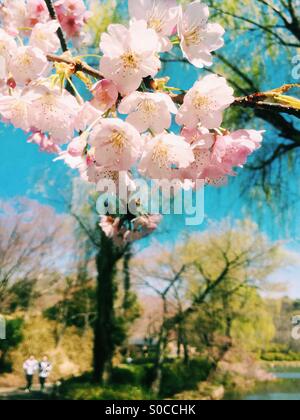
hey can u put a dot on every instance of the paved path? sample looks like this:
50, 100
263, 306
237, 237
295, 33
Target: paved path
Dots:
20, 394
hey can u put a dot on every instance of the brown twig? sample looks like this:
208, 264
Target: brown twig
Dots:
77, 64
252, 102
255, 101
60, 33
62, 39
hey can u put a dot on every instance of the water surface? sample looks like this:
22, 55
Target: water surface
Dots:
286, 389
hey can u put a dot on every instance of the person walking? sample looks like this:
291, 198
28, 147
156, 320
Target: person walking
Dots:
45, 368
30, 367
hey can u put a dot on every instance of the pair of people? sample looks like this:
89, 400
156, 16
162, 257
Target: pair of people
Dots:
31, 366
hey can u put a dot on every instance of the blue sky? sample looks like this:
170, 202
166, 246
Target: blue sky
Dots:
24, 169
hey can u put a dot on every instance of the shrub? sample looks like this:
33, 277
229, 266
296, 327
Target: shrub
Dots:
89, 392
14, 333
132, 382
178, 377
127, 375
280, 357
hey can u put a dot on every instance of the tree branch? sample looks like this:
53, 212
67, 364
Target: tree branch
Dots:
251, 102
60, 33
263, 27
254, 101
77, 64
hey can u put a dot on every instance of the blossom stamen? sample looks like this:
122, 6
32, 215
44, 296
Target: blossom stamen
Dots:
26, 60
160, 155
201, 102
193, 37
118, 140
130, 60
148, 107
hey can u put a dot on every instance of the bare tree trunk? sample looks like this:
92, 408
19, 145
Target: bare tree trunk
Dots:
183, 343
179, 342
160, 360
127, 279
160, 355
104, 346
224, 349
186, 351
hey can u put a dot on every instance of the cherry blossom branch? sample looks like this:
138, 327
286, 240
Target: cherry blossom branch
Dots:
256, 101
77, 64
252, 101
60, 33
62, 40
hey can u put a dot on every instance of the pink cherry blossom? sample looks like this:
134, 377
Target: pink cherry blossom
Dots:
113, 229
217, 182
105, 95
53, 112
72, 15
8, 48
205, 103
16, 15
74, 162
122, 234
3, 72
13, 15
201, 143
77, 146
199, 38
37, 12
164, 155
16, 109
44, 142
129, 55
148, 111
233, 150
202, 160
161, 15
86, 116
110, 226
8, 45
117, 144
143, 226
100, 145
44, 37
121, 179
201, 136
214, 164
27, 64
147, 223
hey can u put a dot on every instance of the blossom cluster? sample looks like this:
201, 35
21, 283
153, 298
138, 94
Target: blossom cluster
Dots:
132, 121
19, 17
121, 232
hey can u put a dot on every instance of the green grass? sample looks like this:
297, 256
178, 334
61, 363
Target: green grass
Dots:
280, 356
88, 392
133, 382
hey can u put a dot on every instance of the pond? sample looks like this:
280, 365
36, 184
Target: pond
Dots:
287, 388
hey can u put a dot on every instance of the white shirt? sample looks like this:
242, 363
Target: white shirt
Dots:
45, 369
30, 367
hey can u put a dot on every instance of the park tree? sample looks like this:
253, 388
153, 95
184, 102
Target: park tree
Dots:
14, 336
112, 304
217, 277
261, 35
75, 110
29, 246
